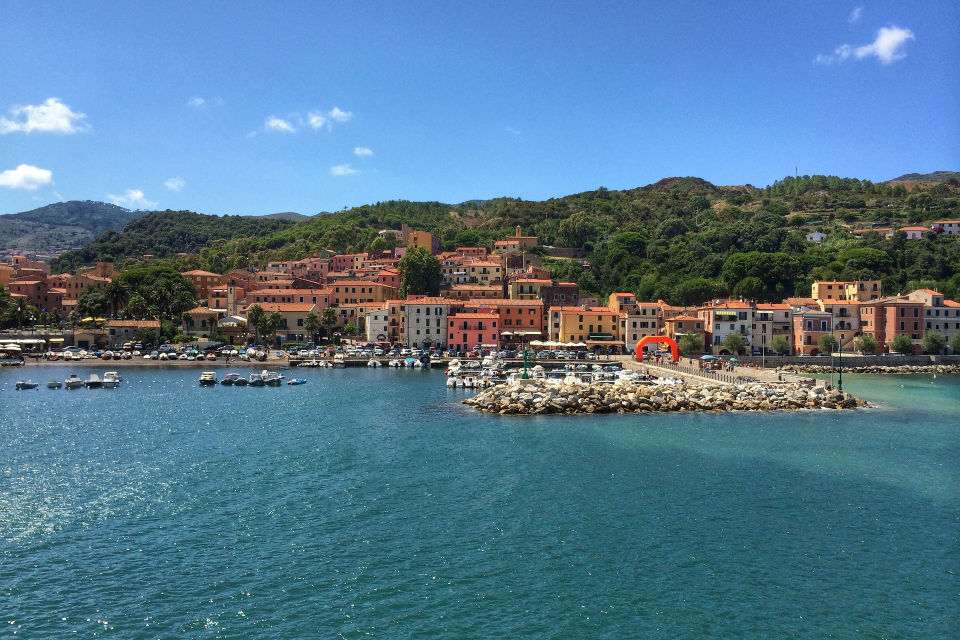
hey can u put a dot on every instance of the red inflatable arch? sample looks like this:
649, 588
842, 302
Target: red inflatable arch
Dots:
674, 348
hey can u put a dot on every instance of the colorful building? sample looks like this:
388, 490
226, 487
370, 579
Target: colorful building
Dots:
468, 330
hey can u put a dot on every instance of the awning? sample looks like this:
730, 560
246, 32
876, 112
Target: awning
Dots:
55, 340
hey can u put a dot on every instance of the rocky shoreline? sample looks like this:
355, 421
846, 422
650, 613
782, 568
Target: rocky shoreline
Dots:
537, 397
906, 368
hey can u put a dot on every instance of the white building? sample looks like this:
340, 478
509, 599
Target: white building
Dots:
425, 324
376, 325
816, 236
949, 227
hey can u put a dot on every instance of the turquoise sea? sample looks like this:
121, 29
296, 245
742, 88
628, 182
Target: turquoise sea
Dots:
370, 503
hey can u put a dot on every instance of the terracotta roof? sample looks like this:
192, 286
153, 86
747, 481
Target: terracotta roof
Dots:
201, 311
139, 324
507, 302
767, 306
463, 316
914, 229
288, 307
429, 300
929, 291
537, 280
947, 222
199, 272
951, 304
683, 317
356, 283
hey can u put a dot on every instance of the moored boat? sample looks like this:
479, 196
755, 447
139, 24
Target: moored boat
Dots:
54, 384
208, 378
26, 384
111, 380
272, 378
73, 382
230, 379
373, 362
296, 381
256, 380
93, 382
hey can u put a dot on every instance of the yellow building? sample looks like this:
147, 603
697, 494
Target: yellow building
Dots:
858, 290
424, 239
593, 326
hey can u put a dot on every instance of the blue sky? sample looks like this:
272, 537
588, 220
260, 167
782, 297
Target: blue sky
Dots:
253, 108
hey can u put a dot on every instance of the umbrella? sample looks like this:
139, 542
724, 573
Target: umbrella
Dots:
733, 360
87, 319
101, 319
536, 343
708, 357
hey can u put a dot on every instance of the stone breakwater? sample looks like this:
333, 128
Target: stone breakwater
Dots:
906, 368
539, 397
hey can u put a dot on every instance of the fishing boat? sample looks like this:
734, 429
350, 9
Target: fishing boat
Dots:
73, 382
54, 384
230, 379
26, 384
111, 380
208, 378
256, 380
296, 381
272, 378
93, 382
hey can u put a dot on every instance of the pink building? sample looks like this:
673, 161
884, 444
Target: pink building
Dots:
467, 330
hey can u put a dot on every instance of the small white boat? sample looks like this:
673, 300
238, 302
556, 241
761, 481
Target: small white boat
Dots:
256, 380
54, 384
338, 360
111, 380
373, 362
395, 362
272, 378
93, 382
73, 382
208, 378
26, 384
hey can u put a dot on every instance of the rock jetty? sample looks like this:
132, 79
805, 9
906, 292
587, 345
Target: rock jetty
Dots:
906, 368
541, 397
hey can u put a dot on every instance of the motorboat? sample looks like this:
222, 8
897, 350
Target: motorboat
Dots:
373, 362
111, 380
395, 362
212, 355
453, 367
73, 382
208, 378
436, 360
93, 382
255, 380
272, 378
230, 379
54, 384
296, 381
338, 360
26, 384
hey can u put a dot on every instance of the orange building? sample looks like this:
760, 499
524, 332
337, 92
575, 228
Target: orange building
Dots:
468, 330
204, 282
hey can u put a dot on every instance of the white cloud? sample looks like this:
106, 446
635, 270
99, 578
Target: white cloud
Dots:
362, 151
25, 176
342, 170
887, 48
196, 102
52, 115
515, 132
855, 15
274, 123
132, 198
339, 116
175, 184
317, 120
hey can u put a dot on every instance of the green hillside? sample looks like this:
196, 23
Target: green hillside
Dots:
681, 239
936, 176
167, 233
61, 225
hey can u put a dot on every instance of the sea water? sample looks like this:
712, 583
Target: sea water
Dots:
371, 503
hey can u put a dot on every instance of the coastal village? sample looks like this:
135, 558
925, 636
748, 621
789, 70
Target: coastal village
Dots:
488, 300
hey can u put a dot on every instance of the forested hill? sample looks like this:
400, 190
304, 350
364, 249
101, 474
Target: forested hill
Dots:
167, 233
61, 225
681, 239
